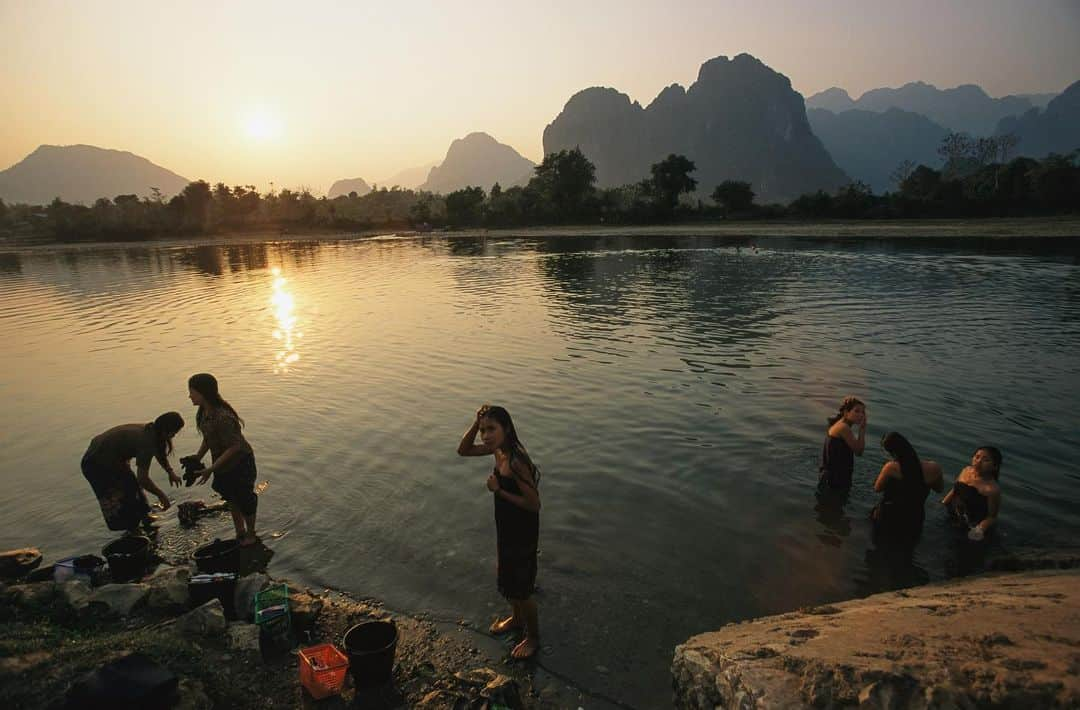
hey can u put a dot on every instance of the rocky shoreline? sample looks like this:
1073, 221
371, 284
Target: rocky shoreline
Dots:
54, 633
1002, 639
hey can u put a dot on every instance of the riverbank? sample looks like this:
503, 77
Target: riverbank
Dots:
54, 634
996, 640
1040, 227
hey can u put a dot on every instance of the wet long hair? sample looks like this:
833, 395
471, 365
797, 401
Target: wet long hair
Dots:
165, 427
901, 449
207, 385
849, 403
995, 456
512, 444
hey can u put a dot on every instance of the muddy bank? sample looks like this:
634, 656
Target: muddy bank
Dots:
997, 640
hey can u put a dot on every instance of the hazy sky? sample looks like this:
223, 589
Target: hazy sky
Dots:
303, 93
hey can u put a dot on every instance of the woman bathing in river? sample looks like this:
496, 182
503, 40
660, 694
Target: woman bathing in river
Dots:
517, 519
233, 465
906, 481
107, 466
975, 498
842, 446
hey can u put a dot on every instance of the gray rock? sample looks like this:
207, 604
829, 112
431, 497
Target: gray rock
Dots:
119, 599
75, 593
16, 563
206, 620
243, 636
304, 609
192, 696
244, 596
37, 594
169, 588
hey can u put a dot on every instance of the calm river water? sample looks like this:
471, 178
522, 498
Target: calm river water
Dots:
673, 390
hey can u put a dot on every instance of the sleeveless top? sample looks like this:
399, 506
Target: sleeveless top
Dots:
837, 463
517, 529
968, 504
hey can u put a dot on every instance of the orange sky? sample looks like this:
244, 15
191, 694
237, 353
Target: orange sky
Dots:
305, 93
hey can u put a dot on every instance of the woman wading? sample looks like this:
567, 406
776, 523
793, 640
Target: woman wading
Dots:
107, 466
517, 519
233, 466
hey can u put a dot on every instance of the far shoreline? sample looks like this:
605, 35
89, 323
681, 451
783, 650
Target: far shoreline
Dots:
855, 230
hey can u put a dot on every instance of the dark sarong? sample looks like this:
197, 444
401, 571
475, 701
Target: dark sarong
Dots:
122, 501
518, 534
236, 486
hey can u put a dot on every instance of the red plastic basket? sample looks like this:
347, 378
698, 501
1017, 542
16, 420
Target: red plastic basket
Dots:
322, 670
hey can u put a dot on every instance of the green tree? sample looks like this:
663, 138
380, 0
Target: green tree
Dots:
671, 178
733, 196
463, 207
197, 201
566, 180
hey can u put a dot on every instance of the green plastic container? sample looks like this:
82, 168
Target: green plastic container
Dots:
272, 611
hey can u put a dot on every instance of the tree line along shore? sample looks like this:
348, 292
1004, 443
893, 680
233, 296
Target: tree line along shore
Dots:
977, 180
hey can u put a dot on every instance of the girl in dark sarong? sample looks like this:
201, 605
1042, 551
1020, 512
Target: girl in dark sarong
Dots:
842, 446
517, 519
905, 481
233, 466
975, 498
107, 466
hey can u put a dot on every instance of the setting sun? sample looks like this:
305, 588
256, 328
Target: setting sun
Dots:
261, 125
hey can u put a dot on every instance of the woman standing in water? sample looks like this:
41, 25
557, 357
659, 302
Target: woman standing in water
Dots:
517, 519
233, 465
842, 446
906, 481
975, 498
107, 466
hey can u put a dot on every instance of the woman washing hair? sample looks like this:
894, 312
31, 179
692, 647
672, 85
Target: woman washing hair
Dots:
107, 466
842, 446
233, 466
517, 519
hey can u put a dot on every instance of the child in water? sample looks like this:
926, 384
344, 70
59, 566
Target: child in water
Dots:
517, 519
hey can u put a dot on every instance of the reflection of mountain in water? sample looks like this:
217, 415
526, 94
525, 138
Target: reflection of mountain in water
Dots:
709, 303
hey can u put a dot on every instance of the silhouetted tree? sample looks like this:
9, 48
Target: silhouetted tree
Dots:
1006, 144
197, 201
565, 180
671, 178
463, 207
901, 172
733, 196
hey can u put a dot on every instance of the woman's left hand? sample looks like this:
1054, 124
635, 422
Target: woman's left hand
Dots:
175, 480
206, 473
493, 483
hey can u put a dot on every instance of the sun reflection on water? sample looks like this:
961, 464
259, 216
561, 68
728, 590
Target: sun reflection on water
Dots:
284, 310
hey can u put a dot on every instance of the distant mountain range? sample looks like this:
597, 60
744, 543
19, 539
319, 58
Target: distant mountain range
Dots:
478, 160
410, 178
966, 108
82, 174
740, 120
1053, 130
344, 187
868, 146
